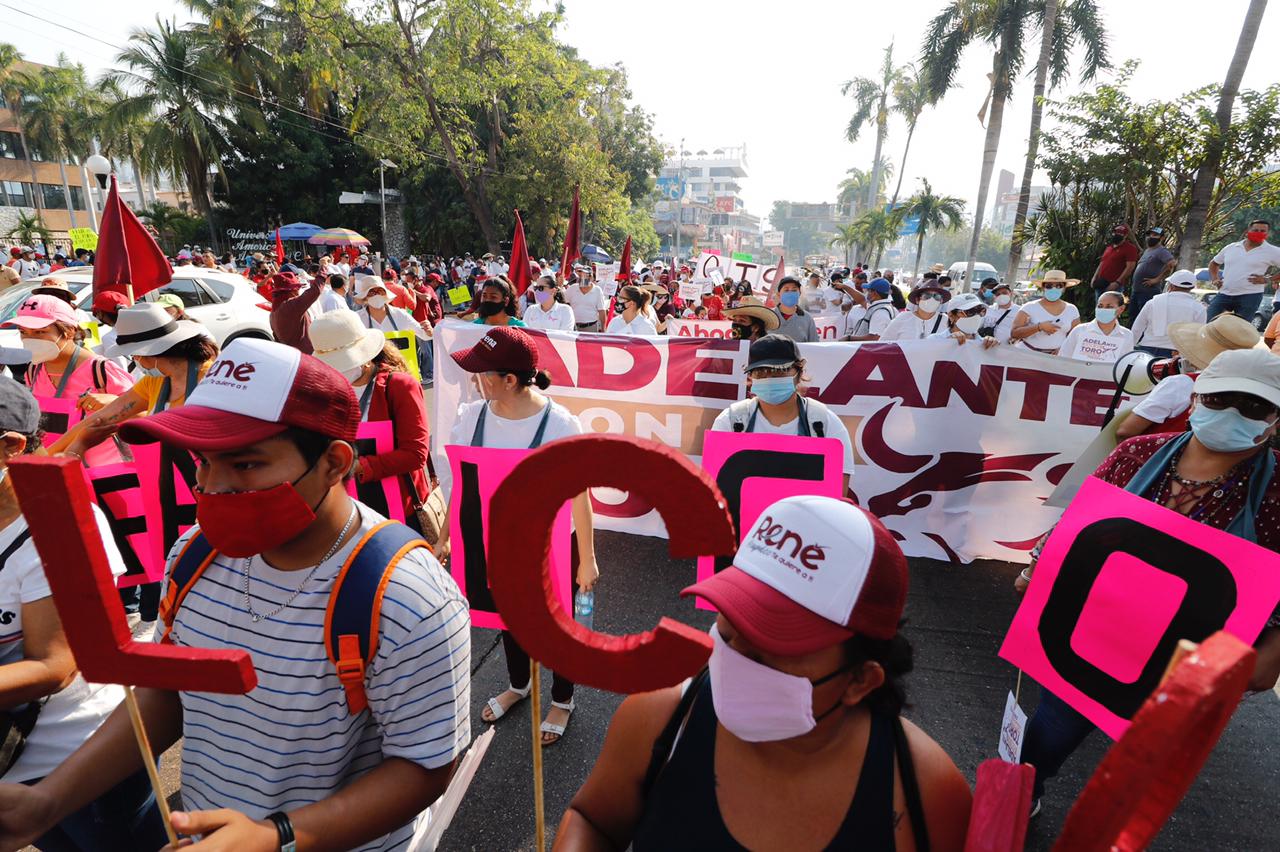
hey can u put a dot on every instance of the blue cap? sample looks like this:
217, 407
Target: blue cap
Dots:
880, 285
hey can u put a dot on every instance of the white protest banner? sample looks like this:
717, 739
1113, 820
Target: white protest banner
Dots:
690, 291
956, 447
829, 328
1012, 729
699, 328
606, 274
758, 275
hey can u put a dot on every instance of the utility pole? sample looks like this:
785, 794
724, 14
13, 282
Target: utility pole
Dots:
675, 260
383, 165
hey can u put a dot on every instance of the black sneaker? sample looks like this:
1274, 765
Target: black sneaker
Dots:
1035, 809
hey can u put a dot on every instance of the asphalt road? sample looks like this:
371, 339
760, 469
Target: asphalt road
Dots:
957, 618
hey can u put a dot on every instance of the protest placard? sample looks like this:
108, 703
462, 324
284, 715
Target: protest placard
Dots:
740, 268
385, 496
406, 341
1119, 582
699, 328
93, 333
755, 470
83, 238
459, 295
607, 275
477, 473
830, 327
57, 415
691, 291
1012, 728
118, 492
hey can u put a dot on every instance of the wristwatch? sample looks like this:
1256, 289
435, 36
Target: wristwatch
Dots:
284, 829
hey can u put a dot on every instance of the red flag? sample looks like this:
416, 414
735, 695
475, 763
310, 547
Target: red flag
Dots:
279, 249
777, 276
572, 239
521, 276
127, 253
624, 265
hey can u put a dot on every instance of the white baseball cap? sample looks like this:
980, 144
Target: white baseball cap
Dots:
1182, 278
811, 573
1252, 371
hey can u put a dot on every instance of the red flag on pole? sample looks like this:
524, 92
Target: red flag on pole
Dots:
521, 276
573, 238
624, 264
279, 249
777, 276
128, 260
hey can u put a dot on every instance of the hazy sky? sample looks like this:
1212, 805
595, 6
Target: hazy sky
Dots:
768, 75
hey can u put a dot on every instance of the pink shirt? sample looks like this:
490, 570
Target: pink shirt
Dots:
117, 382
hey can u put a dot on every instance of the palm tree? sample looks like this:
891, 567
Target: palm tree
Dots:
846, 238
122, 132
1079, 24
165, 218
1207, 174
871, 105
182, 87
1003, 24
242, 33
852, 191
12, 94
875, 229
51, 117
910, 97
29, 230
934, 212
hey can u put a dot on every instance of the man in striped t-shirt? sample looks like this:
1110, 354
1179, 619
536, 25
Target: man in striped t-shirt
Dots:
272, 429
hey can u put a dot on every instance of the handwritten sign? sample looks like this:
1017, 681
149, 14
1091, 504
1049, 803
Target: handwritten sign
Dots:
1119, 582
690, 291
407, 342
699, 328
477, 473
459, 295
1012, 728
755, 470
83, 238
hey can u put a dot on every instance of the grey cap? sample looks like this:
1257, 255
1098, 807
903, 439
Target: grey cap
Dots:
18, 410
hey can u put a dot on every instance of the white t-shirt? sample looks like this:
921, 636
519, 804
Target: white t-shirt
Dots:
504, 434
1000, 319
908, 326
1238, 264
71, 716
833, 300
1151, 328
291, 741
586, 306
1088, 342
1036, 312
1167, 399
832, 426
641, 325
560, 317
331, 300
396, 319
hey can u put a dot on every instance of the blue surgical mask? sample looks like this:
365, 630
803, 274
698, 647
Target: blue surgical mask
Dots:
791, 298
1052, 294
986, 295
151, 372
774, 391
1105, 314
1226, 430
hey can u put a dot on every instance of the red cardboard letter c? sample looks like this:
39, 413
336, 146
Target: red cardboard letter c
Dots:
523, 509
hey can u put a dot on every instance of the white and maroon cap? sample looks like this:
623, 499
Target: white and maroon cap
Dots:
254, 390
811, 573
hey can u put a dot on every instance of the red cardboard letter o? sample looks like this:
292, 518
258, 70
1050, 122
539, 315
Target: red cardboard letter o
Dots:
522, 510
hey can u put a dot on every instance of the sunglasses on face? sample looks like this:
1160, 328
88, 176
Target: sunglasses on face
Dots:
1255, 408
771, 372
976, 311
542, 288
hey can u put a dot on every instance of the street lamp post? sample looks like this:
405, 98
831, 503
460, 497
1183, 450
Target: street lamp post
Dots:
100, 167
383, 165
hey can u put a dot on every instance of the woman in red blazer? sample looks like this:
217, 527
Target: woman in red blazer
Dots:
386, 390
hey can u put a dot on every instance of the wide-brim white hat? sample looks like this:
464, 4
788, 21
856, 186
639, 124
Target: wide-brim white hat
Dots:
340, 340
148, 329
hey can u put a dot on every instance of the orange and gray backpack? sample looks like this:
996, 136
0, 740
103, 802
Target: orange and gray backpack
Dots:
355, 604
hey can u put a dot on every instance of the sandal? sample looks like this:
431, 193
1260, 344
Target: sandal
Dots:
557, 730
495, 708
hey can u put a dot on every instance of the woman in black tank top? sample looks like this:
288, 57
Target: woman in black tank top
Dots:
791, 739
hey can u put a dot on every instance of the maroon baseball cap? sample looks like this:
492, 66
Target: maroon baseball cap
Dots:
254, 390
502, 349
811, 572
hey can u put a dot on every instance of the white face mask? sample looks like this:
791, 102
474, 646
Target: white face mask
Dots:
353, 375
41, 350
378, 302
1003, 299
929, 305
969, 325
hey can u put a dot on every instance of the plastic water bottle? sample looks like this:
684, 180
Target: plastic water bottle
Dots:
584, 608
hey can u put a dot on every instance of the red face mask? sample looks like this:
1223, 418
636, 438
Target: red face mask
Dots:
1255, 236
246, 523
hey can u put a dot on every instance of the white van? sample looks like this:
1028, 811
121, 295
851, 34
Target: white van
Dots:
981, 271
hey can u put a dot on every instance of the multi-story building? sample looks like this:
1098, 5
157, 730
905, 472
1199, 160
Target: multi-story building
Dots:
63, 194
712, 197
1004, 209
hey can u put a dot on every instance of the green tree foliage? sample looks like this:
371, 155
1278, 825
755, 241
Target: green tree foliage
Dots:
934, 213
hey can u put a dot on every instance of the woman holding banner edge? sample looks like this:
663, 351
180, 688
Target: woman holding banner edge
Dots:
514, 414
1220, 473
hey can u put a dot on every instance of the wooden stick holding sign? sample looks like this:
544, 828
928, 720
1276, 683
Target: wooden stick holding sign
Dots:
51, 492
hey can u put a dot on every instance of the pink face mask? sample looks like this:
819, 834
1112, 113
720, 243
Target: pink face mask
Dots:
756, 703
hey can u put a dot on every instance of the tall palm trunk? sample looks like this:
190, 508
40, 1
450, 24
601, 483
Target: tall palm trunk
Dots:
31, 163
1207, 176
66, 190
1033, 141
915, 273
999, 94
902, 167
137, 176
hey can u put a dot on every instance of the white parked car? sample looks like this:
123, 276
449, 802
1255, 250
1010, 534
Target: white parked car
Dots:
981, 272
226, 304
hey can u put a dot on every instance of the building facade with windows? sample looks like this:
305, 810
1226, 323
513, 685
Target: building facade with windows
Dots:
712, 190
